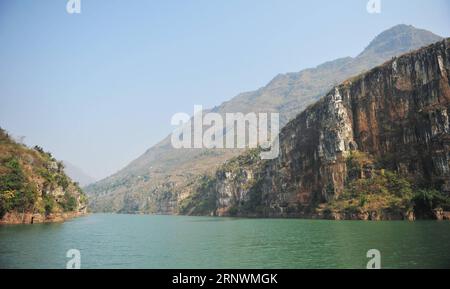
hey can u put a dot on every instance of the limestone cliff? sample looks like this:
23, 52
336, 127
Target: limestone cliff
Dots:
363, 151
34, 187
151, 183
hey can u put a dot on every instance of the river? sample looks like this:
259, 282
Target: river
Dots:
148, 241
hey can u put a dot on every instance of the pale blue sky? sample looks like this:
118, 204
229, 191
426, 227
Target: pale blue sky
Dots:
99, 88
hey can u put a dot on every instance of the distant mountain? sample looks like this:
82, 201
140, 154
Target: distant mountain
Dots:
152, 182
77, 174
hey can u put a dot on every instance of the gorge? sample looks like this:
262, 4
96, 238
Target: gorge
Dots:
362, 136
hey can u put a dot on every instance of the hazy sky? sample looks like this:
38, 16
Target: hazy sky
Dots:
99, 88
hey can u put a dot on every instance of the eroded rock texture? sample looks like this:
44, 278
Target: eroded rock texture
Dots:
397, 113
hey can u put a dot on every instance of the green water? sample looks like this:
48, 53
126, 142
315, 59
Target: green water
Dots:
134, 241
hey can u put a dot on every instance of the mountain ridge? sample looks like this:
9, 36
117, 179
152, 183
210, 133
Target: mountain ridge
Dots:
139, 186
375, 147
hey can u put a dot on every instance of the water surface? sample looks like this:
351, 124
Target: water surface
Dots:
145, 241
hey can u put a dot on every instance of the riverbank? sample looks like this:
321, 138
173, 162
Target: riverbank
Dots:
438, 215
16, 218
347, 216
320, 214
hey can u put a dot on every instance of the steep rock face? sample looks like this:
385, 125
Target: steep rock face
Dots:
142, 185
397, 113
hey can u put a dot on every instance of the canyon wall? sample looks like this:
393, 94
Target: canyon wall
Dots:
152, 183
396, 114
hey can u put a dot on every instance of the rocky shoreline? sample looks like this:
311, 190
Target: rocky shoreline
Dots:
16, 218
438, 215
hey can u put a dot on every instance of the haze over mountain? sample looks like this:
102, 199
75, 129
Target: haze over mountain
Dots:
148, 183
77, 174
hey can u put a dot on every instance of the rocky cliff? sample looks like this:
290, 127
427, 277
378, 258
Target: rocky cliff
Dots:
375, 147
34, 187
153, 182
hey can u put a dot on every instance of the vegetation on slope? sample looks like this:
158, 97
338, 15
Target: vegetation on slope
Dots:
203, 198
377, 192
32, 181
371, 192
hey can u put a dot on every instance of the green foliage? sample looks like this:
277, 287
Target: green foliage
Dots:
426, 201
60, 166
6, 201
357, 162
15, 191
233, 211
203, 200
398, 186
15, 178
254, 203
49, 204
4, 137
70, 202
62, 181
83, 197
47, 175
353, 167
249, 158
22, 170
25, 198
53, 178
39, 149
383, 190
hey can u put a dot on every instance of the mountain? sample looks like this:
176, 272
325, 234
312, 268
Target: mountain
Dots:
34, 187
399, 39
376, 147
154, 182
77, 174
